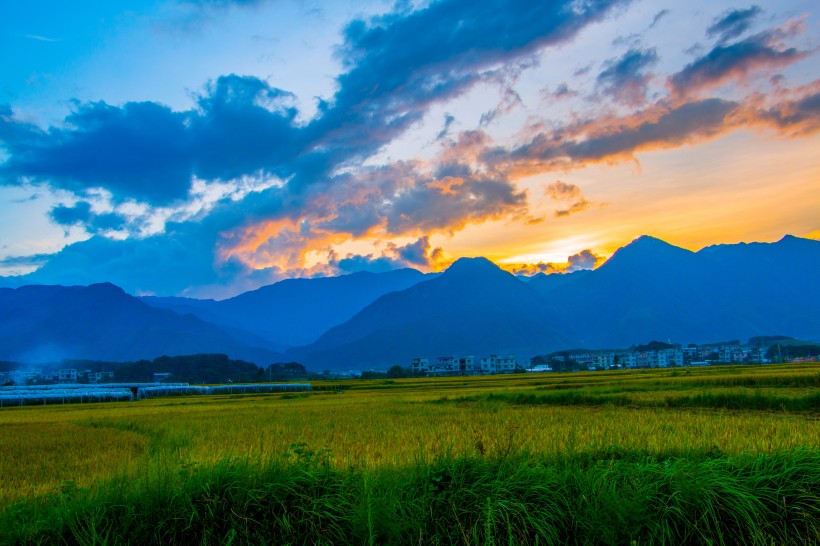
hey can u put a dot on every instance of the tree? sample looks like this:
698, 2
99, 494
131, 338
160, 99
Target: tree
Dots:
396, 372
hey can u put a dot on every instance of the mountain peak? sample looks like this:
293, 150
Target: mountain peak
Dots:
648, 241
472, 266
646, 250
105, 288
794, 240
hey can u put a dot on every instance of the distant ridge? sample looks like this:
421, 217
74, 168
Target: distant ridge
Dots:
102, 322
648, 290
296, 311
473, 307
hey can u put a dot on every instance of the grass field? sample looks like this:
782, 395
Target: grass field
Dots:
724, 455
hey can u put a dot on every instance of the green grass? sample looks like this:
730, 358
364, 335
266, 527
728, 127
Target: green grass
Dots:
727, 455
609, 497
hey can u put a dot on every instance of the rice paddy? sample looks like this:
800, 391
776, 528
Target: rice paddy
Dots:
727, 455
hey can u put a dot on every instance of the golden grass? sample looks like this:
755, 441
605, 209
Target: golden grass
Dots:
371, 424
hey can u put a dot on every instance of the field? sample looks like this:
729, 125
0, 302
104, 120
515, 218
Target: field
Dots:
724, 455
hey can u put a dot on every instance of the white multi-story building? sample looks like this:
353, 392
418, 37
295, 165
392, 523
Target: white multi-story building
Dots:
466, 365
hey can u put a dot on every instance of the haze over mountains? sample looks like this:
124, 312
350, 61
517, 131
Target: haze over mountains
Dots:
647, 290
102, 322
295, 311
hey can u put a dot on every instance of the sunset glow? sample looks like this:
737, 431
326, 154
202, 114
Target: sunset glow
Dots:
227, 145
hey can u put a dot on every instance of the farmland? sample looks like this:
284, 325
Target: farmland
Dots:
727, 454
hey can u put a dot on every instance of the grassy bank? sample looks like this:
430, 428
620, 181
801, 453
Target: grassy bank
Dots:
727, 455
608, 497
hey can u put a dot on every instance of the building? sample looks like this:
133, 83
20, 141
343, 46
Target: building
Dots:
466, 365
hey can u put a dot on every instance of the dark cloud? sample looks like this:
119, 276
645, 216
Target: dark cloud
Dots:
733, 23
395, 67
733, 62
624, 79
353, 263
146, 151
401, 63
661, 126
586, 259
69, 216
14, 131
408, 198
416, 254
81, 214
795, 117
449, 204
138, 150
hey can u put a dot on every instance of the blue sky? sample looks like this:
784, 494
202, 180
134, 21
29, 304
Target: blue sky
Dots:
208, 147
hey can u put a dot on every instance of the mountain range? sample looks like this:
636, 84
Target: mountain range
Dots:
295, 311
648, 290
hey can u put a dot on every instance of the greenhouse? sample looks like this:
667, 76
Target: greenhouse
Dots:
154, 391
122, 392
85, 386
31, 397
260, 388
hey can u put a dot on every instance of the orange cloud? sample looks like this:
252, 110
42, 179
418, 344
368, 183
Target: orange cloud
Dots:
586, 259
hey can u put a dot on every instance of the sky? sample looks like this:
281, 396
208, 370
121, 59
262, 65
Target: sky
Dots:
206, 147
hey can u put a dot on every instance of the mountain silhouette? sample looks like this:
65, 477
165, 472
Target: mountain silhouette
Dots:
102, 322
648, 290
295, 311
474, 307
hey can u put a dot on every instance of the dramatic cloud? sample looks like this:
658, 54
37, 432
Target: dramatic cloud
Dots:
665, 124
396, 67
586, 259
624, 79
148, 152
611, 139
400, 64
241, 186
795, 117
417, 254
400, 199
733, 23
734, 62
